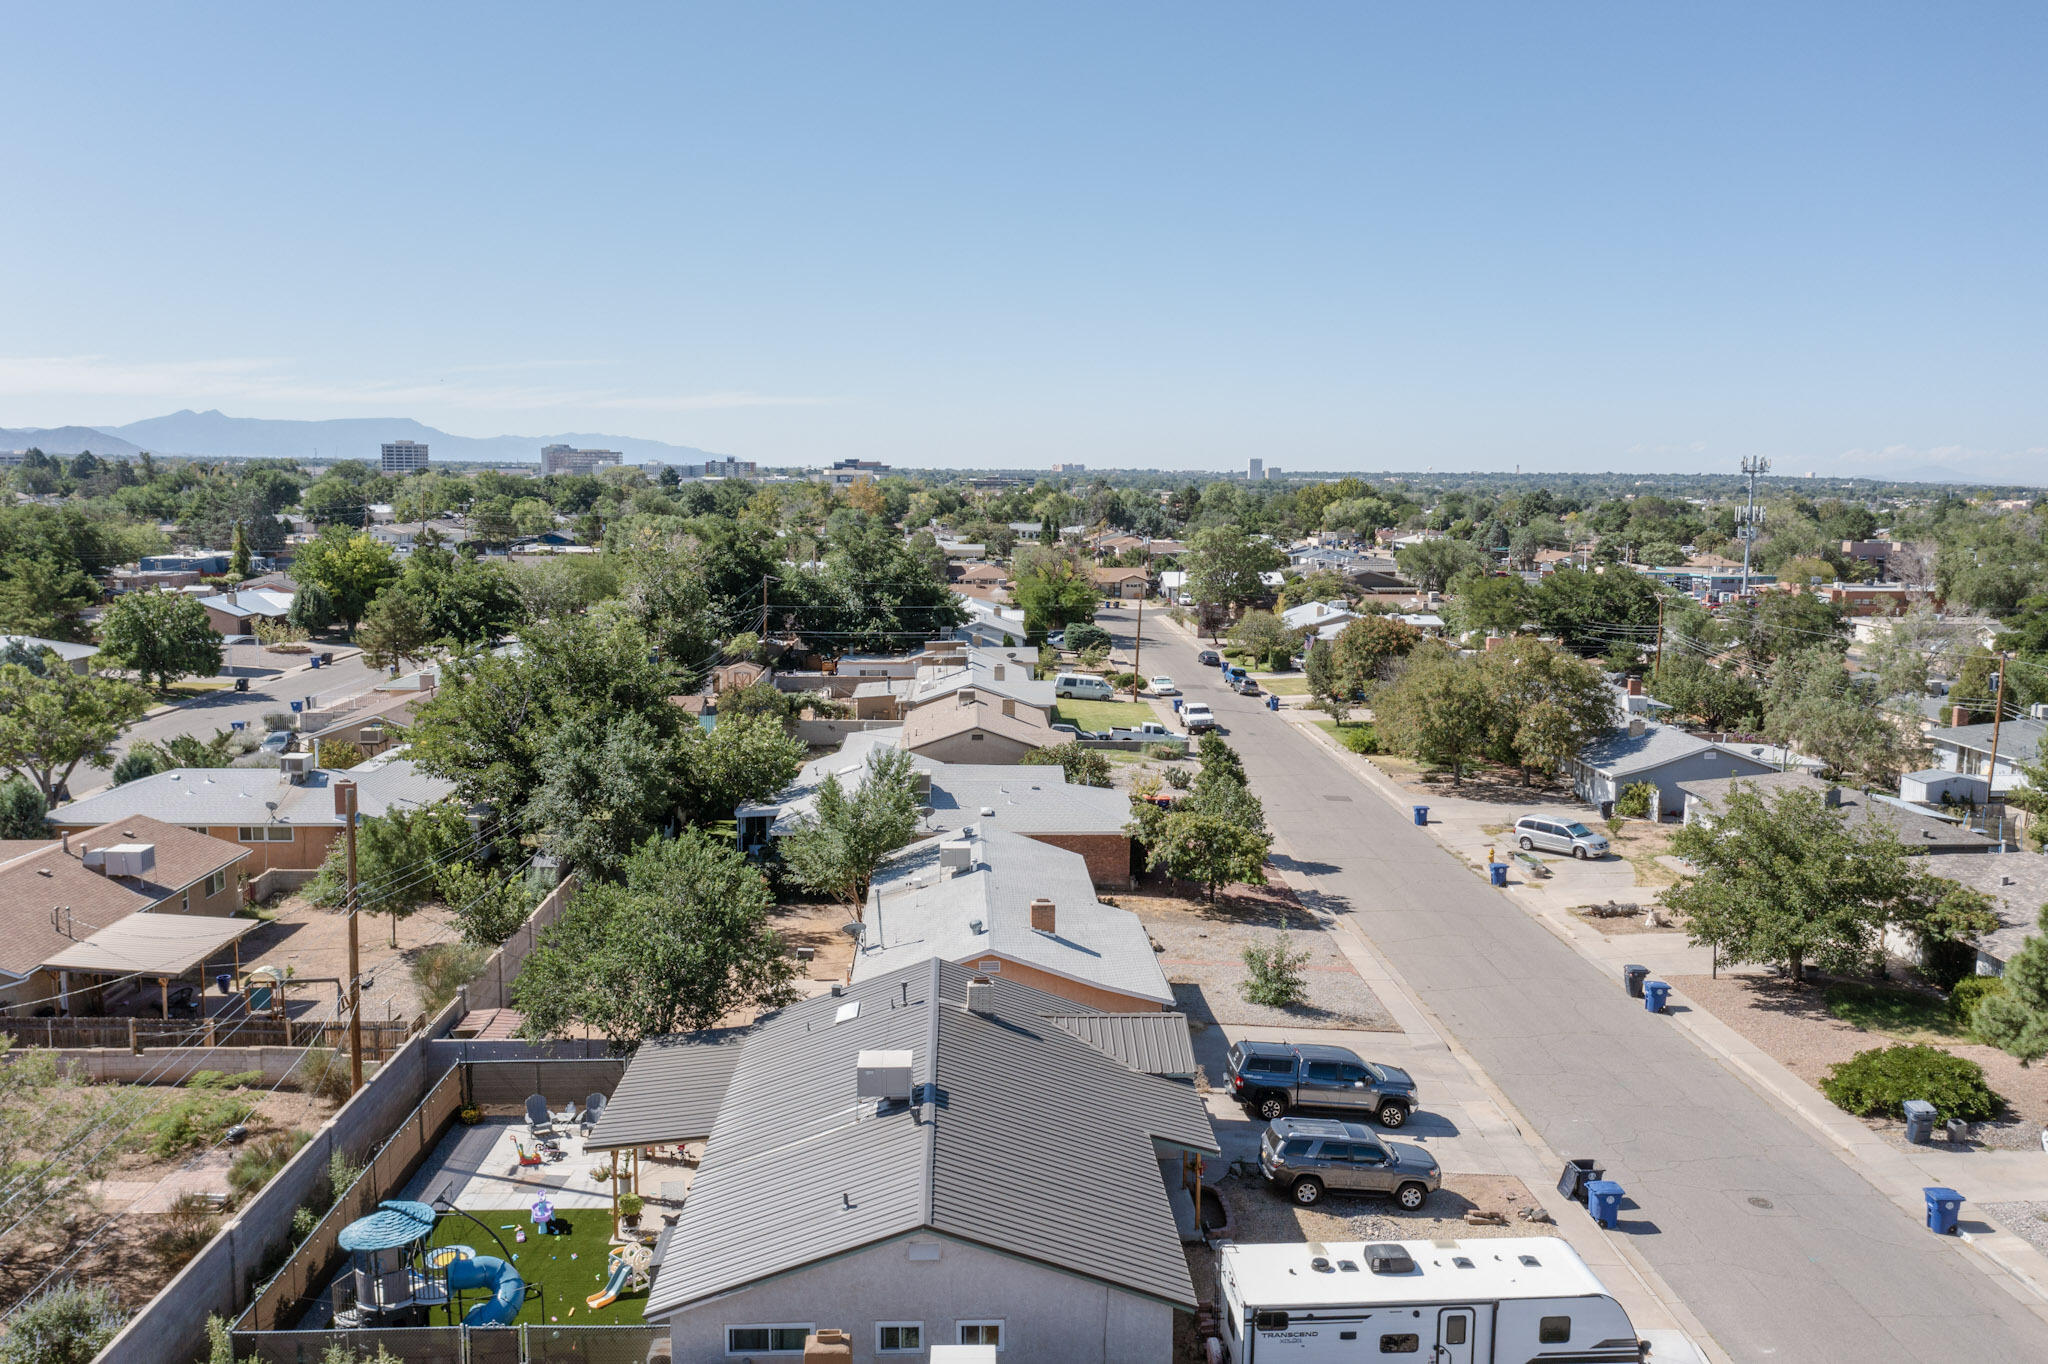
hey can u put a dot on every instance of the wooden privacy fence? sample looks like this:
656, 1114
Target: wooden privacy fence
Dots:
381, 1037
285, 1296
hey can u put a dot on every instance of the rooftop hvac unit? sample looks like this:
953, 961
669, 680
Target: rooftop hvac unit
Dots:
956, 854
295, 766
883, 1075
128, 859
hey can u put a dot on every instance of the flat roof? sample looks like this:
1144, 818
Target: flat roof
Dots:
153, 945
1283, 1275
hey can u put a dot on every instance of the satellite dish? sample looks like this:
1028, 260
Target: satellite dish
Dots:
851, 930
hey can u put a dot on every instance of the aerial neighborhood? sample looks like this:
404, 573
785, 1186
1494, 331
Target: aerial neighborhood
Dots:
962, 916
1055, 684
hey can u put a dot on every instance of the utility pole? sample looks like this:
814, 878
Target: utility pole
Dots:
1997, 719
764, 608
1752, 467
1657, 665
1138, 648
345, 806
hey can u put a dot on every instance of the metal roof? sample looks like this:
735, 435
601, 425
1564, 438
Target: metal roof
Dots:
153, 945
671, 1091
1155, 1043
799, 1168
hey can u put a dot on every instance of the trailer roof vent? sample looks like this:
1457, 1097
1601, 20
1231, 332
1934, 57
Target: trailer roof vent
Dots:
1388, 1259
1321, 1264
1462, 1261
1348, 1266
1532, 1262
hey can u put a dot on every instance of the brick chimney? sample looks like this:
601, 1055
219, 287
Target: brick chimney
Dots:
1955, 717
1635, 727
1044, 917
1494, 642
1635, 686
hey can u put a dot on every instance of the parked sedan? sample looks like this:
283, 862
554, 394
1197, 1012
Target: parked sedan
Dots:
1209, 658
1305, 1156
1163, 686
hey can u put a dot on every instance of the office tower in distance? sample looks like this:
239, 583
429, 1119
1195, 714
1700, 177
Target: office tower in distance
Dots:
1255, 469
403, 457
567, 459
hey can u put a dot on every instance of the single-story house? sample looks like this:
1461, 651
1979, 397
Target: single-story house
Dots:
1125, 584
1967, 749
2017, 883
284, 816
973, 726
1008, 905
1317, 615
1665, 757
744, 673
60, 892
235, 611
884, 1161
1918, 829
76, 657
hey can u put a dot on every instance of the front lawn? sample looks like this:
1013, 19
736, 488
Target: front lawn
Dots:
198, 686
568, 1269
1285, 686
1100, 716
1908, 1015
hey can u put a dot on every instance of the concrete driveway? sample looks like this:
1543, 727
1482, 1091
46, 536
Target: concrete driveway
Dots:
1781, 1249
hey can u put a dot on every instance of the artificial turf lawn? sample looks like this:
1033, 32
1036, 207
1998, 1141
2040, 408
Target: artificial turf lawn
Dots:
545, 1260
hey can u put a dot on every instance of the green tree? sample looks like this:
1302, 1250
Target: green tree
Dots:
1814, 701
238, 554
49, 725
2015, 1019
351, 567
608, 783
1790, 882
1055, 590
1192, 845
1431, 564
396, 629
1713, 696
742, 759
1265, 636
1495, 603
1587, 608
21, 810
162, 636
312, 609
397, 857
1438, 710
837, 847
1224, 565
1082, 766
1548, 705
43, 595
1364, 652
680, 944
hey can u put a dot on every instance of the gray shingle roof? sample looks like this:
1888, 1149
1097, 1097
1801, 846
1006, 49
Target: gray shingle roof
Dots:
799, 1169
2018, 884
918, 909
2019, 739
671, 1092
1157, 1044
248, 796
1622, 753
1915, 827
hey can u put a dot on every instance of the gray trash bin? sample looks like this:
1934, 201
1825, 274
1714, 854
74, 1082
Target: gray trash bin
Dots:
1919, 1121
1634, 976
1957, 1131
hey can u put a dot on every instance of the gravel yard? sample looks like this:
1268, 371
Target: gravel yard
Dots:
1203, 959
2028, 1221
1793, 1026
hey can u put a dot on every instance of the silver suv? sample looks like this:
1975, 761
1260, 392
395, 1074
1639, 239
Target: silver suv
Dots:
1304, 1156
1559, 835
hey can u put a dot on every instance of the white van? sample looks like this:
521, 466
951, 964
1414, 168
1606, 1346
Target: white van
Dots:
1559, 835
1501, 1301
1082, 686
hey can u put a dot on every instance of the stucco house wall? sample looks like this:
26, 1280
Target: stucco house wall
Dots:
975, 746
1094, 996
1047, 1314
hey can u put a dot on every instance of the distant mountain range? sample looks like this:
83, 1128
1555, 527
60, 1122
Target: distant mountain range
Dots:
218, 436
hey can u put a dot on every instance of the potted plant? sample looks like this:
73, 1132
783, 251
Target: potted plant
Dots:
629, 1208
470, 1115
601, 1173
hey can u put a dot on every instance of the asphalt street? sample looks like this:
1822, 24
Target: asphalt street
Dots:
1781, 1249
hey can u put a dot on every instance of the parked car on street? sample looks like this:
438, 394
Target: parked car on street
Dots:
1244, 686
1197, 716
1560, 836
1163, 686
1269, 1078
1209, 658
1305, 1156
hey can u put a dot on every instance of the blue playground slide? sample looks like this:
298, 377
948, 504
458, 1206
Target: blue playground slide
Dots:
614, 1286
488, 1271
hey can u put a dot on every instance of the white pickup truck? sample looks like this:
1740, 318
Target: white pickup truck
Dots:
1151, 731
1197, 716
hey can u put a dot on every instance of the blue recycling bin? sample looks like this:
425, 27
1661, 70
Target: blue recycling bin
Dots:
1944, 1209
1272, 703
1497, 872
1655, 993
316, 660
238, 725
1176, 705
298, 706
1603, 1200
1421, 815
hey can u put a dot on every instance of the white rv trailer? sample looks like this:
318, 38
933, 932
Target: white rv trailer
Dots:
1519, 1299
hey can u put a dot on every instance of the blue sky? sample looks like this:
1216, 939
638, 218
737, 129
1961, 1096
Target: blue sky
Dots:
1334, 236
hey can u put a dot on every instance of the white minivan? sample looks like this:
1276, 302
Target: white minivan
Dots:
1082, 686
1559, 835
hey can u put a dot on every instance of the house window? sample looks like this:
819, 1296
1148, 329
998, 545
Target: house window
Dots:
981, 1333
765, 1340
216, 883
892, 1337
185, 903
264, 833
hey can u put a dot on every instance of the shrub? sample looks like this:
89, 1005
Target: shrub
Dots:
1178, 778
256, 1163
1274, 976
443, 968
209, 1104
338, 755
1876, 1083
1634, 802
323, 1072
1945, 962
1163, 752
304, 1219
1086, 635
1121, 681
69, 1324
183, 1231
276, 720
135, 765
1968, 993
1361, 739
